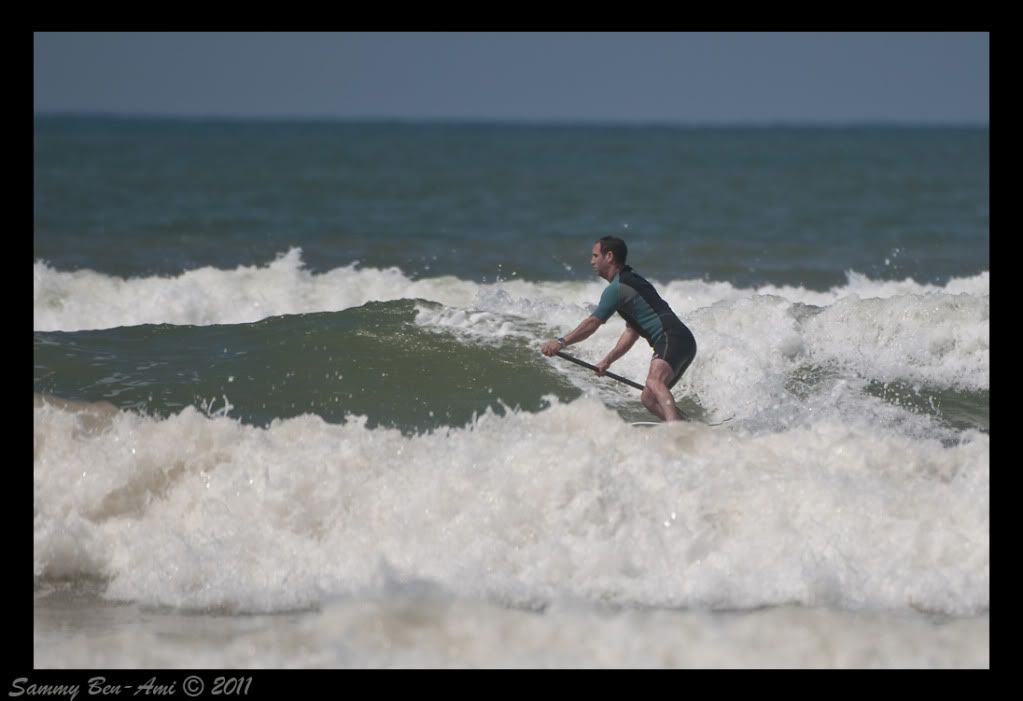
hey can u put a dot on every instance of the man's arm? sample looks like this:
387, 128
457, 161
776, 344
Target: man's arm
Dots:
584, 330
625, 342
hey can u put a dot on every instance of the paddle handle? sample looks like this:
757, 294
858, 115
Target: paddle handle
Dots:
613, 376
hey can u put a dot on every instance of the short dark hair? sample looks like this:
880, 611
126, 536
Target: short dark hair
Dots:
616, 246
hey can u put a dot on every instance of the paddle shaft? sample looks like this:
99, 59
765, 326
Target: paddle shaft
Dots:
613, 376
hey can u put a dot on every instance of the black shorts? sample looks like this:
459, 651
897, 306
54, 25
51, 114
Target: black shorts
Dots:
678, 349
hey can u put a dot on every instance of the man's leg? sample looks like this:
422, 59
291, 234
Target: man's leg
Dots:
656, 396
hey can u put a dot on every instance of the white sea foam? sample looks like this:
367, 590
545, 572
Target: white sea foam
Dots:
84, 299
570, 503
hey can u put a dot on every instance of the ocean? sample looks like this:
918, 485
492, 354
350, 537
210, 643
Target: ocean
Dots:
290, 409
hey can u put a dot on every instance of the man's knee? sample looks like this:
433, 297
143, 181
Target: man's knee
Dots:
655, 386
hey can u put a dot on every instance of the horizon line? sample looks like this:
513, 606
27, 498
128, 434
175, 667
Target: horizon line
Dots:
513, 121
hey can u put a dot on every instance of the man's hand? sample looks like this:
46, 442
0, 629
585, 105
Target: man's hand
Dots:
602, 367
550, 348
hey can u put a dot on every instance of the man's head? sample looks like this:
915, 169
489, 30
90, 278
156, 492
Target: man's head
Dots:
608, 256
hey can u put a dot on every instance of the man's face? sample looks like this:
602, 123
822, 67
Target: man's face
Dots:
601, 262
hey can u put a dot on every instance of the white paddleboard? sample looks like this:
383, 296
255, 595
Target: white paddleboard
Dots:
658, 423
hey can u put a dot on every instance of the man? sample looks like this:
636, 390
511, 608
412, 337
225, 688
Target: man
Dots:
646, 315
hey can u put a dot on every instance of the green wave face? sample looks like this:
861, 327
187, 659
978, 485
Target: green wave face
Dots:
371, 361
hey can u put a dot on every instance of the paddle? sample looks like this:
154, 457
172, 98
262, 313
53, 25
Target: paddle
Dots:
613, 376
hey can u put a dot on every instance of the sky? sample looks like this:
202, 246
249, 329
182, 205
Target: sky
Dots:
627, 77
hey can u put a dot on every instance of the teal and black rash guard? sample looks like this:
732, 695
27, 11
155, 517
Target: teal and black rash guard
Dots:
638, 303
